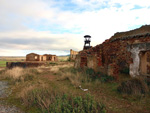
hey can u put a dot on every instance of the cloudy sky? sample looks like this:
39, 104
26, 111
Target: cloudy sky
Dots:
56, 26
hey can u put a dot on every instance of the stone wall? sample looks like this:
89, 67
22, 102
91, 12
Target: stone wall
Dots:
73, 54
32, 57
23, 64
117, 53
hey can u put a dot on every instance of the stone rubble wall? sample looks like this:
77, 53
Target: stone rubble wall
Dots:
23, 64
73, 54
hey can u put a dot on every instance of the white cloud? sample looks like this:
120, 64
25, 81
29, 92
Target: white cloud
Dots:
9, 52
100, 19
32, 40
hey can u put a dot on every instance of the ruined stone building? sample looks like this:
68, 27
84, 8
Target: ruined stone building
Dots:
73, 54
125, 50
45, 57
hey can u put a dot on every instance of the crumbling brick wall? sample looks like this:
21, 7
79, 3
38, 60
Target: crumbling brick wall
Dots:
115, 54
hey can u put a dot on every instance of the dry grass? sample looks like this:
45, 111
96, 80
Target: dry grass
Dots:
41, 93
29, 88
14, 73
63, 58
11, 58
58, 67
135, 86
75, 79
18, 74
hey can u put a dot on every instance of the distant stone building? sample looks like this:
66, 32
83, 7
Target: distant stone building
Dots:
73, 54
45, 57
125, 50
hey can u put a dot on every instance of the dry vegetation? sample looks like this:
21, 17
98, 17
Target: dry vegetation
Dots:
4, 58
63, 58
55, 88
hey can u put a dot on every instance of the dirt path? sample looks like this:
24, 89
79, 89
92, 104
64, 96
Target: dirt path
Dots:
50, 77
4, 108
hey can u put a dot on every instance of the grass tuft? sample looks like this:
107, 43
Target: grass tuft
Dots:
135, 86
18, 74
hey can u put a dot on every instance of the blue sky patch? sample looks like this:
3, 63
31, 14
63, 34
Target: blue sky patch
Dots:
137, 7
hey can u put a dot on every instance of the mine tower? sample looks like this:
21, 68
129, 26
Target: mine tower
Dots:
87, 42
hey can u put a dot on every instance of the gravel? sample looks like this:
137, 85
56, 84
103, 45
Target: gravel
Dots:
4, 89
9, 109
5, 92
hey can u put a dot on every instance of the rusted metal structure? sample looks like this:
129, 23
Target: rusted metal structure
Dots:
87, 42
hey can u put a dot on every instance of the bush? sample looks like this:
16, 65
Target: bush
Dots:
89, 75
125, 71
90, 72
103, 77
53, 63
92, 76
134, 86
79, 76
52, 102
106, 78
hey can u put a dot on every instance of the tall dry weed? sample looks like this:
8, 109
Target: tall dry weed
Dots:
57, 68
74, 78
134, 86
14, 73
30, 91
19, 74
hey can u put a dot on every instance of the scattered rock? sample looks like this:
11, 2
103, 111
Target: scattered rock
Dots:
8, 109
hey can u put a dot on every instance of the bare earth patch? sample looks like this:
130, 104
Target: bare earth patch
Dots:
50, 77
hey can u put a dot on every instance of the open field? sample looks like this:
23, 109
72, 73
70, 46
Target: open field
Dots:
4, 59
12, 58
63, 58
56, 88
2, 63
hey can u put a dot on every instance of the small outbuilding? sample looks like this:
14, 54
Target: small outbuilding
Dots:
32, 57
45, 57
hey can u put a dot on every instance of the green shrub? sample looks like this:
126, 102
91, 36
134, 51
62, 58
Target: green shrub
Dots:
75, 70
52, 102
134, 86
85, 75
89, 75
69, 59
125, 71
104, 78
90, 72
92, 76
53, 63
